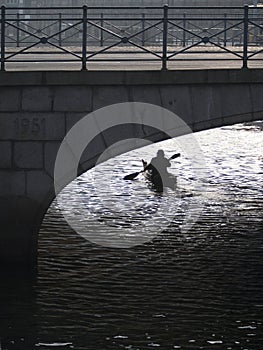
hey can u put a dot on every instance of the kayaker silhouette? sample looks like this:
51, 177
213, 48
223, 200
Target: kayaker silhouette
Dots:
156, 171
158, 165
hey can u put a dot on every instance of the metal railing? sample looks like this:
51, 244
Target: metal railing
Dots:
130, 34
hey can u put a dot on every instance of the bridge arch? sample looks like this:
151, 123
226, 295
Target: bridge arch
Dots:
57, 101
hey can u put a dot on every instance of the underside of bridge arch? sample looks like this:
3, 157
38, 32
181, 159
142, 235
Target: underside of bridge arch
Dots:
127, 137
22, 216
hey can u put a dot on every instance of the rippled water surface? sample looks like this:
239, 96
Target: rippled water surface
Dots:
198, 287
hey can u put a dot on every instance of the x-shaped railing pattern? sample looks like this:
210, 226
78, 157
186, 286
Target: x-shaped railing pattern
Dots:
205, 40
152, 35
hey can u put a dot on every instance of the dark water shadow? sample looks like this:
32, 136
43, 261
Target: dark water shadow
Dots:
17, 310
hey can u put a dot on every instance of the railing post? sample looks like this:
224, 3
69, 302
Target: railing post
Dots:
184, 32
3, 8
143, 29
101, 31
59, 29
245, 38
17, 30
84, 38
255, 15
165, 33
225, 26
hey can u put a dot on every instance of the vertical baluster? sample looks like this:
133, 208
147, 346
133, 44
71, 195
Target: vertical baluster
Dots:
17, 30
101, 31
245, 37
254, 19
165, 33
3, 8
143, 29
59, 29
84, 38
184, 32
225, 26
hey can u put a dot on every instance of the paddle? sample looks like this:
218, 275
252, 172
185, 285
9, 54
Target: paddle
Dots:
134, 175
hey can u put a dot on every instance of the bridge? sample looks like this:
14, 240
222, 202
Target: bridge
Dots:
38, 108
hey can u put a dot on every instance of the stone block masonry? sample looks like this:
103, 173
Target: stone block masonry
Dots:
28, 155
38, 99
5, 154
10, 99
32, 126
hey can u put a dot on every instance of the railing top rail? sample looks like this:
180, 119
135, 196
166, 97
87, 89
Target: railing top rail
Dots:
130, 7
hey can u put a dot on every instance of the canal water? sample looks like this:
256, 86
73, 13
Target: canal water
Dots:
194, 288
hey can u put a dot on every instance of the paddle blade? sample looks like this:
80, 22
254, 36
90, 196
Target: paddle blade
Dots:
131, 176
176, 156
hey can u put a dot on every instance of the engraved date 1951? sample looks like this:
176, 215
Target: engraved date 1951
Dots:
30, 126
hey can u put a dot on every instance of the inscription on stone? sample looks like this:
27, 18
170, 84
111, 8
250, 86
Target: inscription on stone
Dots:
30, 126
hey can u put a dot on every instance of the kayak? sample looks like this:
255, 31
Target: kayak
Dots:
158, 183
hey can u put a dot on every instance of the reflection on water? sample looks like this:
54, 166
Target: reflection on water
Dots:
200, 289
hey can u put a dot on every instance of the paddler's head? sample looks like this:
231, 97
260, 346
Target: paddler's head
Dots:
160, 153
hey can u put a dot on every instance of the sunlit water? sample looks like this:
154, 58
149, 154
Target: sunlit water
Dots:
194, 288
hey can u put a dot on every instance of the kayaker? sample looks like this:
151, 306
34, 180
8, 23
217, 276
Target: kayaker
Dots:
158, 165
156, 170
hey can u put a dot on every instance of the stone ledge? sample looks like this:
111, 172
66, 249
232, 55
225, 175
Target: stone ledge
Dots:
93, 78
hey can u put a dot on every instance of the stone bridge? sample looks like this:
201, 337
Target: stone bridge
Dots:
37, 109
